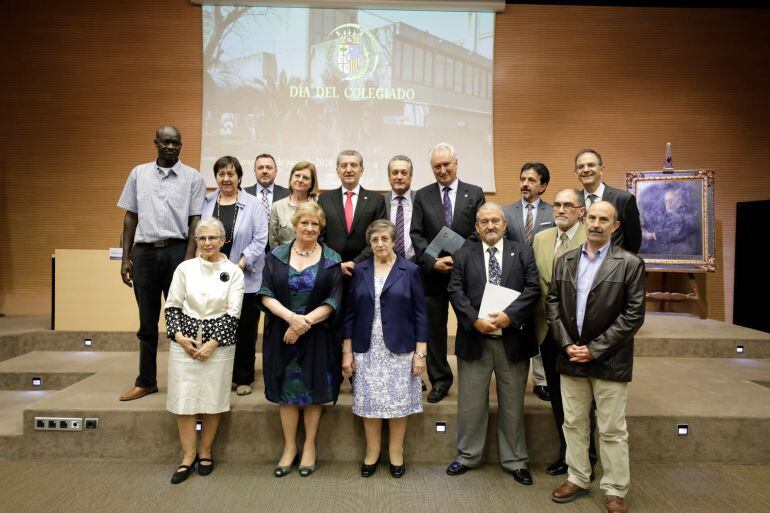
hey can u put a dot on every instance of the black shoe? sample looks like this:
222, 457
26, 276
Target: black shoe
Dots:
369, 470
306, 471
522, 476
183, 472
205, 470
424, 388
557, 468
457, 469
542, 392
397, 470
437, 393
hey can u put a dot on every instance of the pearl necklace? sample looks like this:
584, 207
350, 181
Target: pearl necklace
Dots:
303, 253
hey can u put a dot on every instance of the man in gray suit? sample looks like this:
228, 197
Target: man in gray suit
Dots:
526, 218
399, 202
595, 305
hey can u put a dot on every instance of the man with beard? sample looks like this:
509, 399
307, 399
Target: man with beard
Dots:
163, 201
595, 305
525, 219
266, 190
502, 342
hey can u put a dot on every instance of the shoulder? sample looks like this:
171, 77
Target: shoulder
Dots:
251, 189
617, 193
210, 197
510, 207
469, 188
516, 247
467, 250
190, 172
330, 257
544, 234
424, 191
374, 194
544, 205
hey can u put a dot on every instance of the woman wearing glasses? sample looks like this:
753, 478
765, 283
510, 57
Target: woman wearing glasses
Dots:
202, 310
245, 223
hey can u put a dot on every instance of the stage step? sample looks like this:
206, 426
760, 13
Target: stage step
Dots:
722, 401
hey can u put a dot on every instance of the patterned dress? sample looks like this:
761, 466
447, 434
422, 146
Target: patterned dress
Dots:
384, 386
293, 390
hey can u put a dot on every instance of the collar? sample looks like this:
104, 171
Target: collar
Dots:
356, 191
407, 196
498, 245
260, 188
570, 233
599, 192
453, 186
534, 204
599, 252
173, 169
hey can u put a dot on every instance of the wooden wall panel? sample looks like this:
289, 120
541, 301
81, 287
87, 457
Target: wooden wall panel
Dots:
86, 82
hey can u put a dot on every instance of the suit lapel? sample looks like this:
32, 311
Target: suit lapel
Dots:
396, 272
610, 262
461, 200
339, 209
518, 224
507, 262
477, 262
571, 264
546, 252
364, 197
367, 270
388, 198
435, 199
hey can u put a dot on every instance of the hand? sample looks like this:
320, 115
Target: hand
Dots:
578, 354
242, 263
190, 345
300, 324
127, 272
484, 326
291, 336
205, 351
443, 264
347, 268
501, 320
348, 363
418, 364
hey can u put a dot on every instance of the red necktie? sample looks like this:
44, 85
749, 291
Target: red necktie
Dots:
349, 210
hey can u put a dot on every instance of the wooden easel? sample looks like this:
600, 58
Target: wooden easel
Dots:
692, 297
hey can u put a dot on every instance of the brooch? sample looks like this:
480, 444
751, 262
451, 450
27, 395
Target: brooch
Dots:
224, 277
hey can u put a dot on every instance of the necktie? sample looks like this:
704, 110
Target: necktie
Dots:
349, 210
592, 199
495, 273
561, 248
447, 207
529, 233
400, 227
266, 202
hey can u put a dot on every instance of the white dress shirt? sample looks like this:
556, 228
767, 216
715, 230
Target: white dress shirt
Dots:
499, 257
353, 200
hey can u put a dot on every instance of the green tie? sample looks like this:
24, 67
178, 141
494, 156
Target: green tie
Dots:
561, 248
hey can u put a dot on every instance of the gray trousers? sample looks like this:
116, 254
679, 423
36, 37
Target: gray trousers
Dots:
473, 406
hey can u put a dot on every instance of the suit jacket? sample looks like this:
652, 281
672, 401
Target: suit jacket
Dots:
278, 192
515, 217
543, 246
614, 313
389, 197
466, 288
402, 307
351, 246
428, 219
629, 235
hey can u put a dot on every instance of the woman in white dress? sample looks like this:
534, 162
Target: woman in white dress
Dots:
202, 311
386, 333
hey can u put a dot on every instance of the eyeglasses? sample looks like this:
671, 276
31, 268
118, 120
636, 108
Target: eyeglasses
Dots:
208, 238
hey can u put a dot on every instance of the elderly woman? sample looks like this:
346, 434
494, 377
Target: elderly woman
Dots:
301, 290
202, 310
302, 188
386, 333
245, 223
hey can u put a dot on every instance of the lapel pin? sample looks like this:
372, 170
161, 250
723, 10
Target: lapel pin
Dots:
364, 197
512, 253
466, 195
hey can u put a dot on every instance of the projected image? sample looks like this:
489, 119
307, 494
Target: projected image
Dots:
303, 84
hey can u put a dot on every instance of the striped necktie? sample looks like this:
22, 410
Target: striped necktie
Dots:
529, 232
400, 228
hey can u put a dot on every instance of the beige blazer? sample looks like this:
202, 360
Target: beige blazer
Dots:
280, 230
544, 245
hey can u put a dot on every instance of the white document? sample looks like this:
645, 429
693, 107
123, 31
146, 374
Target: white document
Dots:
496, 299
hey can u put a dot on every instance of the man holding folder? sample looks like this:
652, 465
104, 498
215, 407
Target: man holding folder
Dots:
501, 340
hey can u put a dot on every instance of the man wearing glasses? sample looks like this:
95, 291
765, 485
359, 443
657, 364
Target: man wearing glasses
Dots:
163, 200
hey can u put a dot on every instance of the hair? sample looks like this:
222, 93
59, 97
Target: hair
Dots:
589, 150
299, 166
490, 205
442, 146
350, 153
309, 209
540, 169
223, 162
405, 159
211, 223
380, 225
265, 156
581, 200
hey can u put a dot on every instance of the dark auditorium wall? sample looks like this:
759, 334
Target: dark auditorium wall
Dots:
85, 82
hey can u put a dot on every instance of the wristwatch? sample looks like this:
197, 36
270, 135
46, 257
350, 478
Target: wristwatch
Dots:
420, 355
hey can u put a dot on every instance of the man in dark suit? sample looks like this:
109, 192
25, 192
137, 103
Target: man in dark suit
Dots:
266, 190
589, 167
526, 218
349, 210
448, 202
399, 204
501, 342
595, 305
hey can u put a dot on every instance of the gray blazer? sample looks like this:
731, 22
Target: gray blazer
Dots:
515, 216
389, 196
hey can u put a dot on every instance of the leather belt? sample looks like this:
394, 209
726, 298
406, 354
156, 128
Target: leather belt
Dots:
162, 243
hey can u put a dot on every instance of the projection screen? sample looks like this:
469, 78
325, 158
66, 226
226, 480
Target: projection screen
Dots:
304, 84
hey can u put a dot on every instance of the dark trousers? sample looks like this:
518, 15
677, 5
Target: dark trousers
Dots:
549, 350
245, 347
153, 269
439, 371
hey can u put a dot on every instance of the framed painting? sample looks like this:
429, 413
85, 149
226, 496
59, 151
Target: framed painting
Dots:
676, 209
